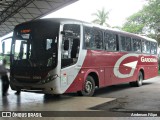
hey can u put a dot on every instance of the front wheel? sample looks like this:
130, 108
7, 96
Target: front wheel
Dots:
88, 88
138, 83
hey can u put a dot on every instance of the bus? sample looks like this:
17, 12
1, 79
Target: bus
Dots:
58, 56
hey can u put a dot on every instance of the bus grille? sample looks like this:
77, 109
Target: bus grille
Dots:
27, 81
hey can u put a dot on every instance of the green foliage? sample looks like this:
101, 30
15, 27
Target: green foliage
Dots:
135, 23
101, 17
1, 58
133, 28
7, 57
145, 21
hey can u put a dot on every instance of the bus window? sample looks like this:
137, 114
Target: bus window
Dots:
87, 37
20, 50
146, 47
93, 38
153, 48
98, 39
125, 43
70, 51
136, 45
110, 42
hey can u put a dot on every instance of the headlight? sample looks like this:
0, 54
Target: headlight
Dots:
49, 78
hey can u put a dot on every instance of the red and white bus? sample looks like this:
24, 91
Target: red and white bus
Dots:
57, 56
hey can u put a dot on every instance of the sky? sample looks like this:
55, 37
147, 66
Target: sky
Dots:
119, 10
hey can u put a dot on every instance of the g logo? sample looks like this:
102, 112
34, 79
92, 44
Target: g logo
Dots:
131, 65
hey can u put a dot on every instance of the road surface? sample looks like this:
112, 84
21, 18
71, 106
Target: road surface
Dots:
114, 101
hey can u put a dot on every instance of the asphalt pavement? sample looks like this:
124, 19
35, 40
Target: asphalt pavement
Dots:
114, 102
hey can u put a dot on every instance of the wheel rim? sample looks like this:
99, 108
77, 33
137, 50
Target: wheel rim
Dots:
88, 87
140, 79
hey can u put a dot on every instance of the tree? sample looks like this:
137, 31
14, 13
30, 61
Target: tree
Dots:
135, 23
153, 21
145, 21
101, 17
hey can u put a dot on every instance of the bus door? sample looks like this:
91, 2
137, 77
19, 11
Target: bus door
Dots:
69, 54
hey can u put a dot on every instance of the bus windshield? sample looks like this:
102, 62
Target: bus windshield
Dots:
35, 46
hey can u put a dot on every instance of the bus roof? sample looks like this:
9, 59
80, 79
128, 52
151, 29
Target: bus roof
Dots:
124, 32
93, 25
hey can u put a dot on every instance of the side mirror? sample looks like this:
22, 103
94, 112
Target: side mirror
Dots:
66, 45
3, 47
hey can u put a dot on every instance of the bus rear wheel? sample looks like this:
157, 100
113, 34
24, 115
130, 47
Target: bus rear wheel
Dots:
89, 87
138, 83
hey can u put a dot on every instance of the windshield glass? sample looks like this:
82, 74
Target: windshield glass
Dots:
36, 43
22, 48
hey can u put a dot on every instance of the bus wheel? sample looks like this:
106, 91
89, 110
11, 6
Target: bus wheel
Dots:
89, 87
138, 83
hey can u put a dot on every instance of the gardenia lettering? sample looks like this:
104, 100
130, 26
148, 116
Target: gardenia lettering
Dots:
143, 59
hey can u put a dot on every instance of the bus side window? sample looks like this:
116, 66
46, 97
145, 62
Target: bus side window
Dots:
93, 38
128, 43
87, 37
110, 42
153, 48
146, 47
98, 39
125, 43
136, 45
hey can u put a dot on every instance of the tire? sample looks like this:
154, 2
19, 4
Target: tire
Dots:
132, 84
88, 88
52, 95
138, 83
